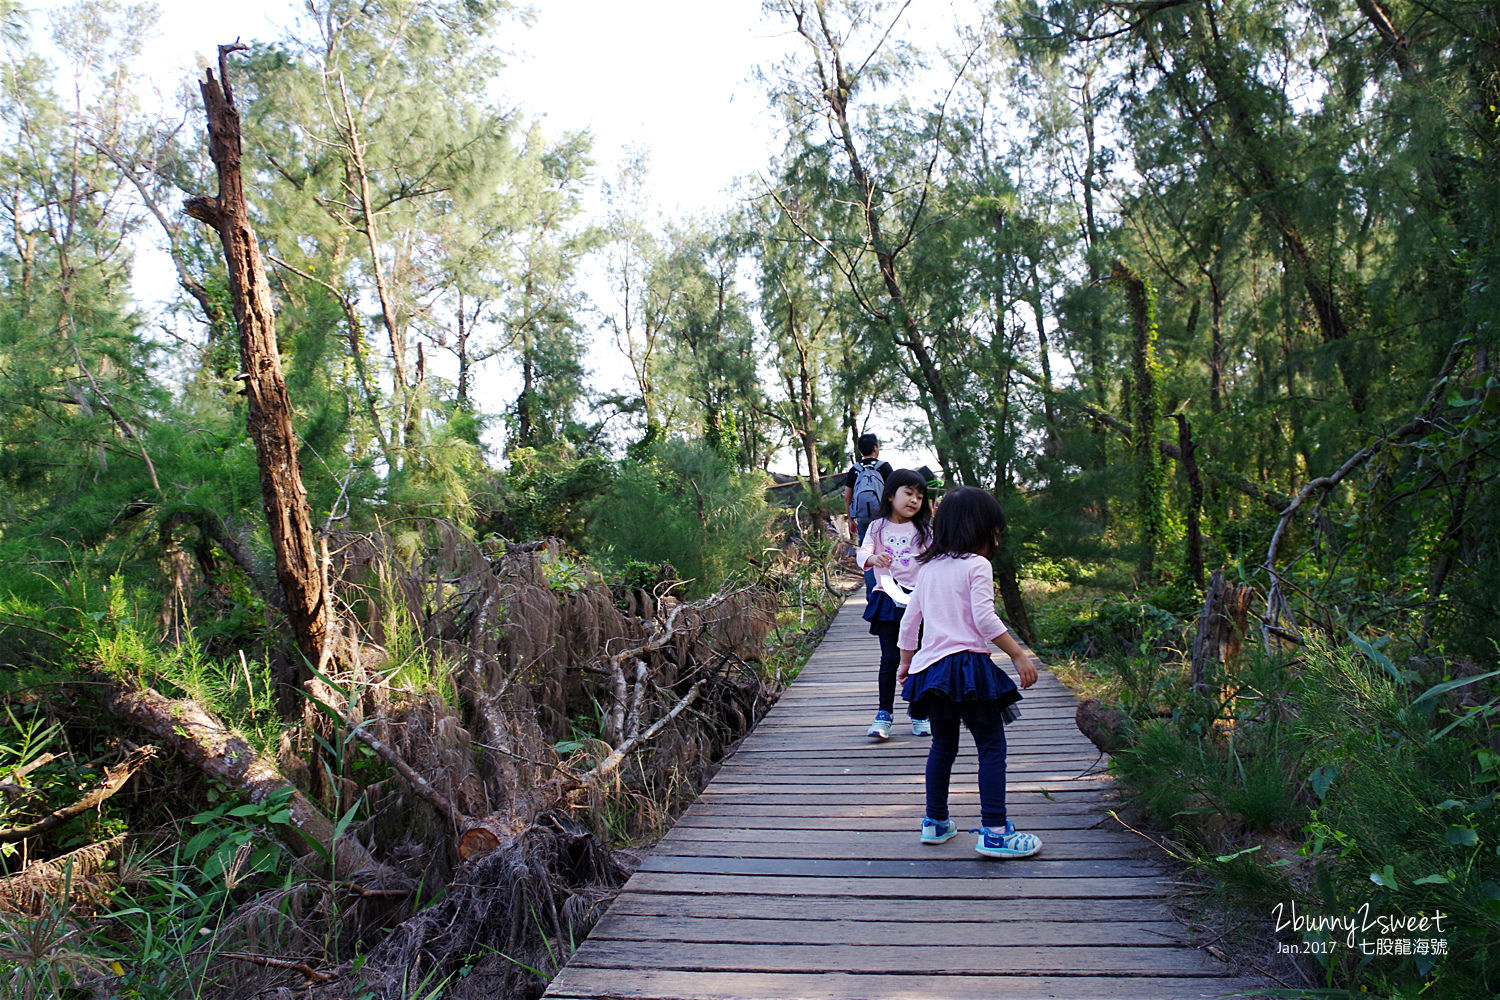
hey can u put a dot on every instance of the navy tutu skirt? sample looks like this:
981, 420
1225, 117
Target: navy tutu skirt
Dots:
880, 608
963, 686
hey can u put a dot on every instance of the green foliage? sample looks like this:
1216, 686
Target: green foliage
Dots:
688, 507
546, 493
1120, 625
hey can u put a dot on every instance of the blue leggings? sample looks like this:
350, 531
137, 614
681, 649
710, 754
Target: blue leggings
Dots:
989, 740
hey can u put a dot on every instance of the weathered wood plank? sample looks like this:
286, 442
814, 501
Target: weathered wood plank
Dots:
860, 840
901, 812
667, 984
836, 910
659, 927
945, 861
902, 849
894, 956
1016, 884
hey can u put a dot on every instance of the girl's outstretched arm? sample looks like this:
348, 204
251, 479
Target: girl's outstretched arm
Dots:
1025, 666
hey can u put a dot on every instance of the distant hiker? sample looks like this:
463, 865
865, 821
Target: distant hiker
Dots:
951, 678
863, 485
895, 539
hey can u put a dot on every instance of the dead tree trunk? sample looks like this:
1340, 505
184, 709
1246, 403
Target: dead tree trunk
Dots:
298, 568
1221, 627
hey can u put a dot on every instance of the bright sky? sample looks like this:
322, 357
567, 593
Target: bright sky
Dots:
672, 76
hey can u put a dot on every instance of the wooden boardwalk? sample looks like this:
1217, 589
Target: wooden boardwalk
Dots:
798, 874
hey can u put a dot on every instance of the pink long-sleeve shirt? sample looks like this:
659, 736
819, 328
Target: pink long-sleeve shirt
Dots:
955, 601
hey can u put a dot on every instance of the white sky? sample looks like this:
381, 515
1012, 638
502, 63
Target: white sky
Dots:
669, 75
672, 76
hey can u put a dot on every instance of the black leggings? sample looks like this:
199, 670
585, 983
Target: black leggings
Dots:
890, 659
989, 743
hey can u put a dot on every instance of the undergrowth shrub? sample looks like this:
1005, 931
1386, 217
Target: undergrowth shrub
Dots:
1336, 782
545, 493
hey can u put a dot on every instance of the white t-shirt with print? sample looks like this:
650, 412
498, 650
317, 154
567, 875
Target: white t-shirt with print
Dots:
899, 541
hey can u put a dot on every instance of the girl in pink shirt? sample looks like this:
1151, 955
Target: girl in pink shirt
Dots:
891, 547
951, 679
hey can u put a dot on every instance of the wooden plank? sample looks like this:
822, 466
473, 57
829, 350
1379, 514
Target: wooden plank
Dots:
866, 842
898, 815
998, 876
669, 984
888, 957
772, 783
944, 861
856, 911
905, 849
1055, 791
659, 927
907, 824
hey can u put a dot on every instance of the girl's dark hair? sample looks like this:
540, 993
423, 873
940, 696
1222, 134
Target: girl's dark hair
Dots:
968, 520
906, 477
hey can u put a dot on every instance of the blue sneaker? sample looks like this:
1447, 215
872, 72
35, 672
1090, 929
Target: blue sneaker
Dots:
936, 831
1006, 843
921, 727
881, 727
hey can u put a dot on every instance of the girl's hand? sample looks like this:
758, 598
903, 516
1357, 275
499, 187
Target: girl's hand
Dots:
1026, 667
882, 560
1020, 659
902, 672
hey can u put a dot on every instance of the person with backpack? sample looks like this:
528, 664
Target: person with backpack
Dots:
863, 487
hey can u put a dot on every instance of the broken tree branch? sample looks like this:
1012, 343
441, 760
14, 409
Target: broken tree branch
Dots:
114, 779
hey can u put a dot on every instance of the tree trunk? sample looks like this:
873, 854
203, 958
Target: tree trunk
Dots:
1216, 348
1009, 584
298, 568
837, 85
223, 754
806, 419
1195, 499
1143, 408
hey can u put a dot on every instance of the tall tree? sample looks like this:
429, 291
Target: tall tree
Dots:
887, 211
76, 377
385, 164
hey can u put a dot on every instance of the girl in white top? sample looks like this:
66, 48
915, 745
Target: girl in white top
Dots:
892, 544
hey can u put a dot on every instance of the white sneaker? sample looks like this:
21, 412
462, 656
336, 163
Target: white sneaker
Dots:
881, 727
921, 727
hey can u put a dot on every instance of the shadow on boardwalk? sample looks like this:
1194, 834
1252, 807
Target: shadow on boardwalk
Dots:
798, 873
